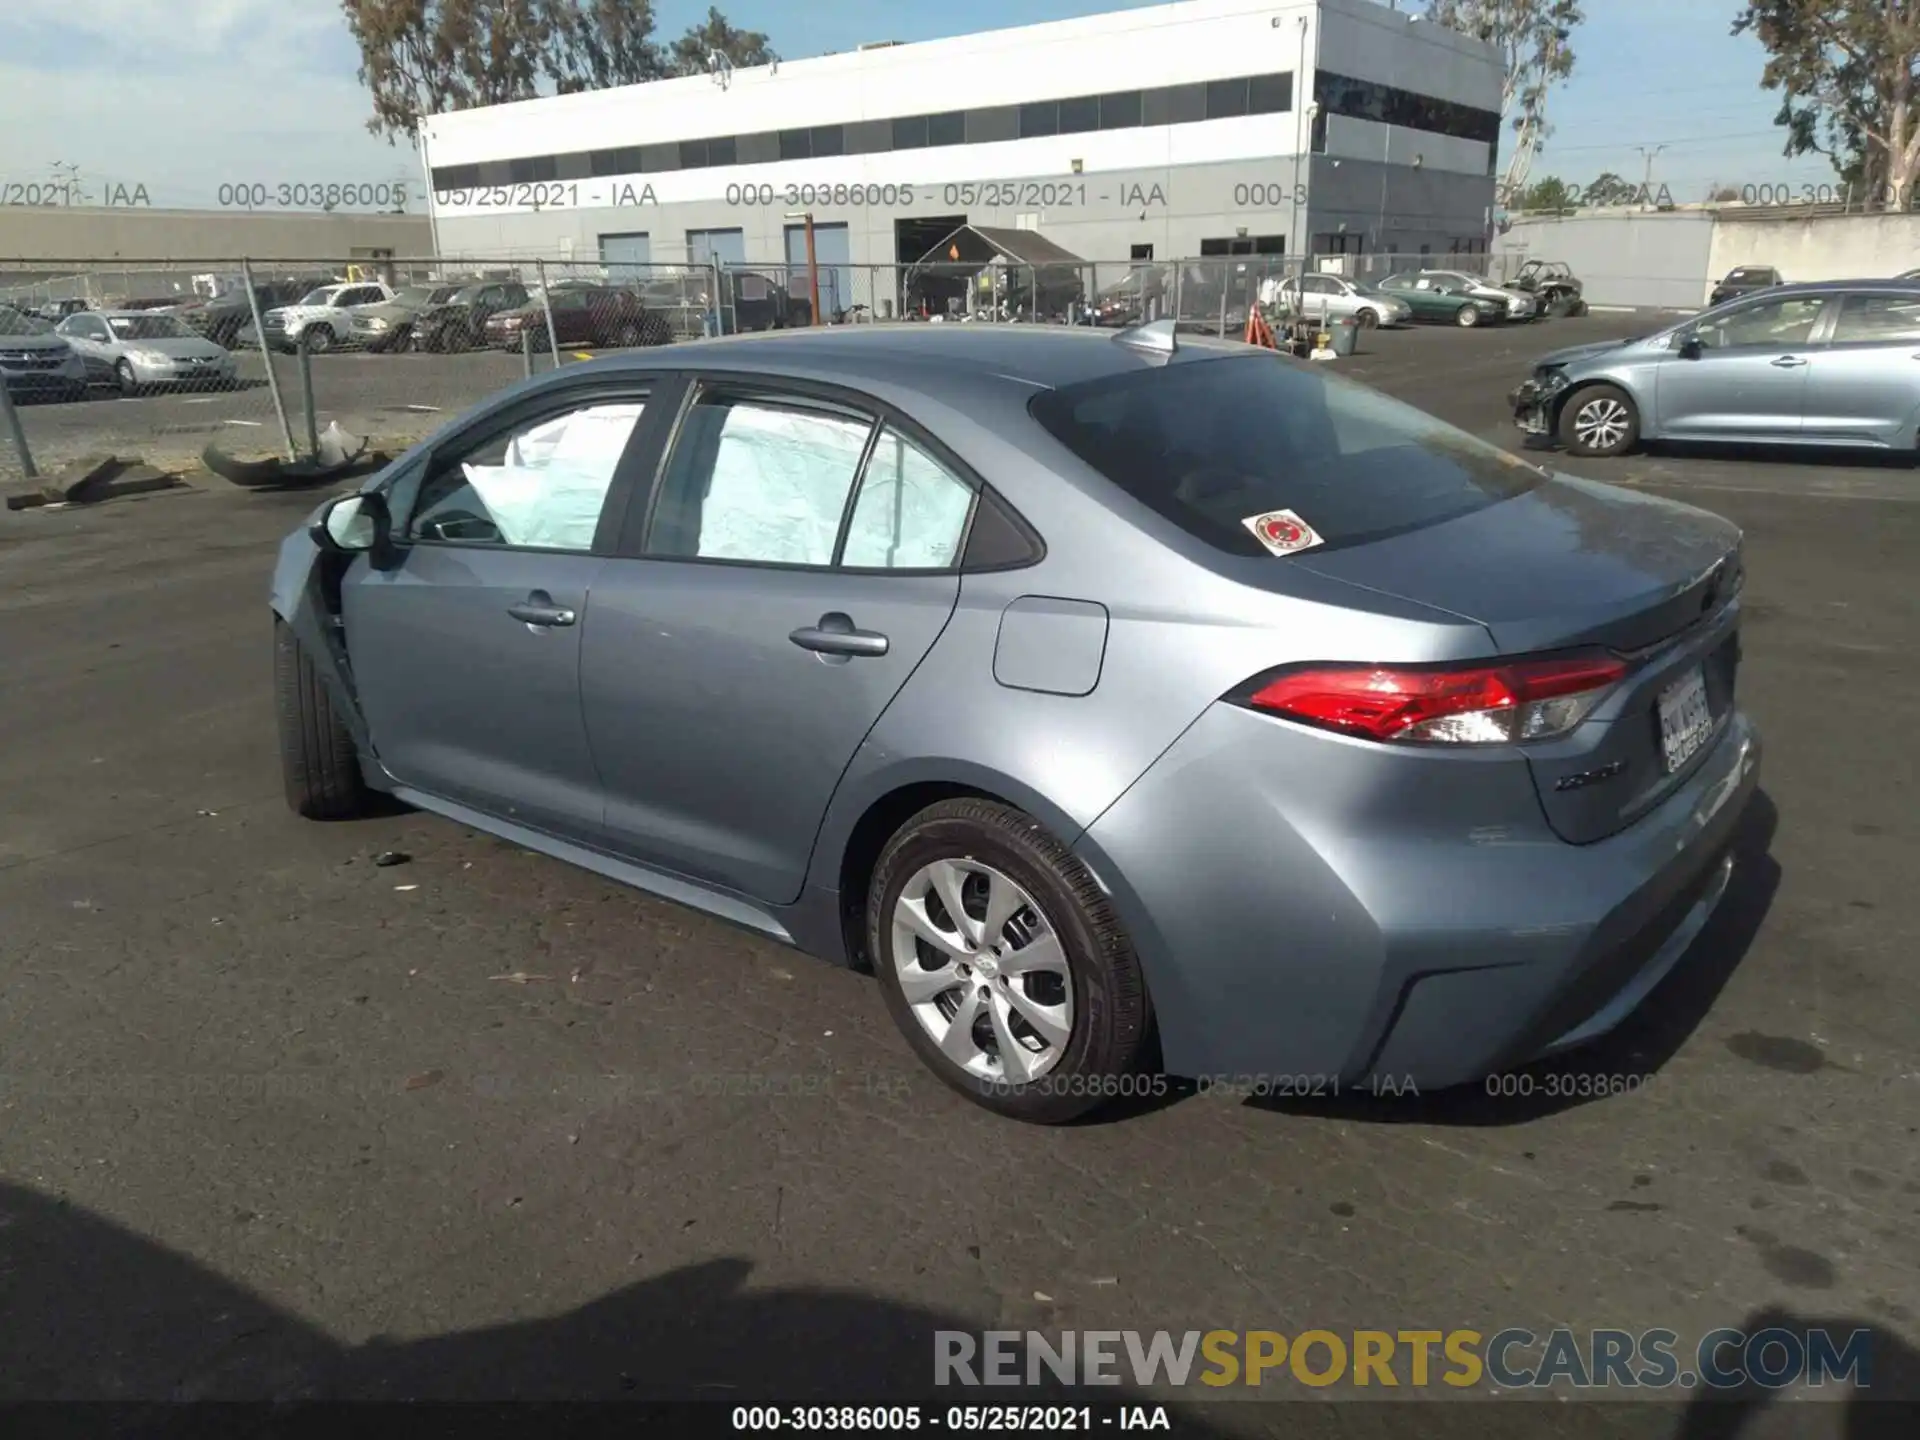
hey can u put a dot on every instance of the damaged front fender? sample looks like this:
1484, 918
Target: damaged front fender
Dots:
305, 594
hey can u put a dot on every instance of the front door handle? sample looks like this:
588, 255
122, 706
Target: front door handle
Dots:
539, 609
1789, 362
836, 635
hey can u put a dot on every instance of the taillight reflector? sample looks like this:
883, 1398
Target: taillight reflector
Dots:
1465, 705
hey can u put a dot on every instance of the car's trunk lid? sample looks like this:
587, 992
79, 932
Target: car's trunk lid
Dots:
1571, 564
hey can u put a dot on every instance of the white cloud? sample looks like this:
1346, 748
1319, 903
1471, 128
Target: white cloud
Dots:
184, 96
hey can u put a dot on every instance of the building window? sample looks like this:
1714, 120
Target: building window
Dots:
1120, 111
1269, 244
1385, 105
1226, 99
1318, 142
533, 169
1269, 94
1079, 116
1040, 119
1141, 252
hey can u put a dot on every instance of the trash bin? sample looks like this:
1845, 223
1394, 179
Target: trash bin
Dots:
1341, 335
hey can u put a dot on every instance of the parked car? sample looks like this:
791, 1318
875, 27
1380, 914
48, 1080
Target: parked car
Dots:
1444, 301
1337, 298
1811, 364
390, 324
1396, 755
1744, 280
460, 321
54, 311
1553, 286
224, 318
1521, 305
762, 302
324, 317
582, 315
137, 350
35, 361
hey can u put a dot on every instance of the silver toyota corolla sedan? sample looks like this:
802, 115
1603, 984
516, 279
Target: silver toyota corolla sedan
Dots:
1822, 364
1119, 700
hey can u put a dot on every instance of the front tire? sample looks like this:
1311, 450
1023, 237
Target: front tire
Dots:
1029, 1000
1367, 320
1467, 316
124, 378
319, 765
1600, 421
319, 339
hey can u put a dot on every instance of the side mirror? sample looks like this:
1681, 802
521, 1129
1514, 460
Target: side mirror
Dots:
1692, 347
354, 525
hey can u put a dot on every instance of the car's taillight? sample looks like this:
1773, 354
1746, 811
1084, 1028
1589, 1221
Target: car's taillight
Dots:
1482, 704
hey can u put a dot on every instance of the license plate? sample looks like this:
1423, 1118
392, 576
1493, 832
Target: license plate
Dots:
1685, 720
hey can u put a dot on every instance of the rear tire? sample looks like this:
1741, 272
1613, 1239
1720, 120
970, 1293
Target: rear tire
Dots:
1467, 316
1050, 909
1600, 421
319, 765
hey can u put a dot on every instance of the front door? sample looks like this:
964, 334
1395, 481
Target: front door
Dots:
801, 560
1748, 381
466, 652
1864, 383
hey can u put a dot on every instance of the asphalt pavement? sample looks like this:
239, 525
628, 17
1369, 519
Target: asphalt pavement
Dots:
279, 1120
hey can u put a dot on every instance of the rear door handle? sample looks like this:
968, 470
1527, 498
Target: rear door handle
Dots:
539, 609
836, 635
1789, 362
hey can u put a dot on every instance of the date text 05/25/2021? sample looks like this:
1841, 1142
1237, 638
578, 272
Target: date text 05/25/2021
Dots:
990, 194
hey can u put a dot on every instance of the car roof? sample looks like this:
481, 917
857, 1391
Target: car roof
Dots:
1025, 356
1834, 287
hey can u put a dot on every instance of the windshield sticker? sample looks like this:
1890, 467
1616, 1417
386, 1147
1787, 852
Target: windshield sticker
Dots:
1282, 532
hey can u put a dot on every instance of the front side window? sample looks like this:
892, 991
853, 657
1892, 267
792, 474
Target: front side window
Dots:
760, 479
539, 486
911, 513
1769, 324
1210, 444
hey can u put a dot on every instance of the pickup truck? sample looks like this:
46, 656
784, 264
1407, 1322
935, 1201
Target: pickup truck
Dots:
324, 316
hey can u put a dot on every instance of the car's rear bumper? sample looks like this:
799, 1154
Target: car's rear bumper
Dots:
1323, 911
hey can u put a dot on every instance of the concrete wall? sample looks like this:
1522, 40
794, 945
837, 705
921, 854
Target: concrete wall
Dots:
1652, 259
96, 234
1396, 209
1829, 247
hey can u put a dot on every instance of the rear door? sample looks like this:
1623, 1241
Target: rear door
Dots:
800, 559
1749, 380
1864, 383
466, 651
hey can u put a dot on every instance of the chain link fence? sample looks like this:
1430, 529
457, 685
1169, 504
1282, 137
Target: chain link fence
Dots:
162, 359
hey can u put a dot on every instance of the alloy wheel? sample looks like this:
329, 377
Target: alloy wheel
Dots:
983, 971
1601, 424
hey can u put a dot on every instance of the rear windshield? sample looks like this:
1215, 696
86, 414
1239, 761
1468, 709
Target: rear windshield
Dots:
1751, 274
1211, 444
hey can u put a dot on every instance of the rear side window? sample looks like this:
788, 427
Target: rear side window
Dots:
1210, 444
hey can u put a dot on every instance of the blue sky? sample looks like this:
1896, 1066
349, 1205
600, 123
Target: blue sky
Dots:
263, 91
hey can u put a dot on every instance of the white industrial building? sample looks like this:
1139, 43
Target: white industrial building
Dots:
1201, 127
